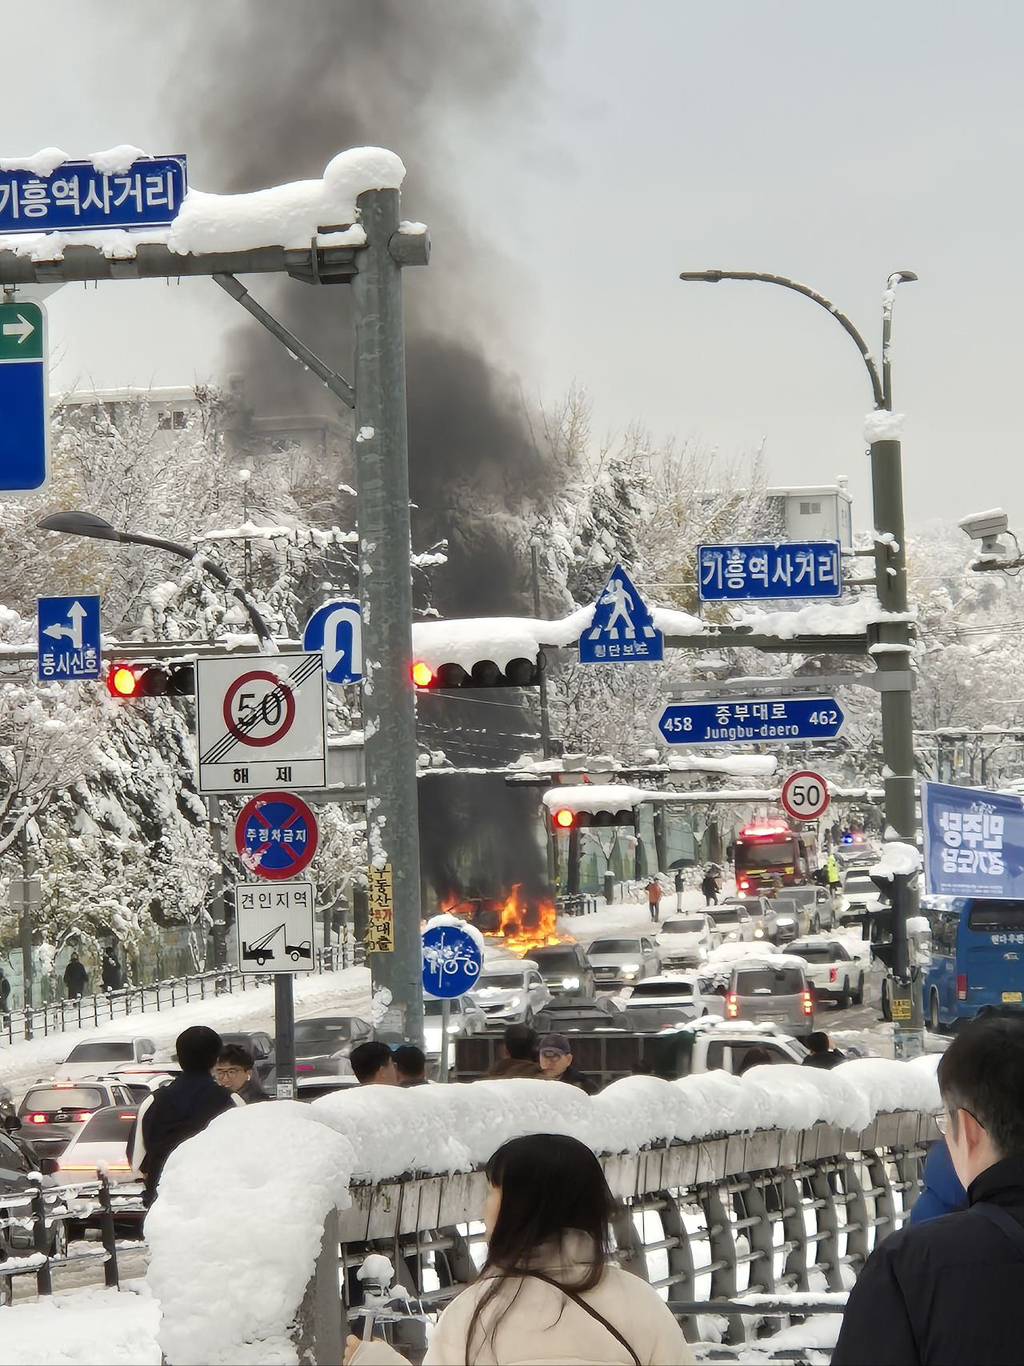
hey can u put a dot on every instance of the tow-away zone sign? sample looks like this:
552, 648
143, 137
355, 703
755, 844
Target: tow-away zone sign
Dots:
260, 723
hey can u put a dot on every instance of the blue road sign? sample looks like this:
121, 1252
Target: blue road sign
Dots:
77, 195
336, 630
784, 570
451, 962
622, 631
752, 721
24, 421
69, 639
276, 835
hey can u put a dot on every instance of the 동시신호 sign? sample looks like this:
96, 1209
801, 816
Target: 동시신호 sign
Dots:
751, 721
274, 926
773, 571
69, 638
78, 195
261, 723
973, 842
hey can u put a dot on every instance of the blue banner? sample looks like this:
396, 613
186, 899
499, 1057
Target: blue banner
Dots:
777, 571
76, 196
973, 842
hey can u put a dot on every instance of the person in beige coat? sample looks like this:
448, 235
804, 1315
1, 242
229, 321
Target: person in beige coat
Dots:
548, 1293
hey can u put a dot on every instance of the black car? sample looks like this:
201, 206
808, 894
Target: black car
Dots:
324, 1041
19, 1169
566, 970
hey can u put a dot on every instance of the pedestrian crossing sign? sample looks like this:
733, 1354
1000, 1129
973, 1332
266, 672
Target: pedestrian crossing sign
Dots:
622, 630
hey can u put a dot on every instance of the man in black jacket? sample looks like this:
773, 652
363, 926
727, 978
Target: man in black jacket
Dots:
821, 1053
947, 1292
179, 1110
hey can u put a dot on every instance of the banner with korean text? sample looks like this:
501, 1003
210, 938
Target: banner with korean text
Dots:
973, 842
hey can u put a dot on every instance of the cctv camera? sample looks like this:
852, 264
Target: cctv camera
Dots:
986, 526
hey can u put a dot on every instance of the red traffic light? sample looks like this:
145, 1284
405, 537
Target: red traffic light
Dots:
122, 681
128, 682
564, 818
422, 674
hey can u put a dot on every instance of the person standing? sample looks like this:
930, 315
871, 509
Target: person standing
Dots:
832, 870
5, 999
373, 1064
75, 977
654, 895
412, 1065
519, 1054
556, 1063
821, 1053
110, 970
709, 888
234, 1071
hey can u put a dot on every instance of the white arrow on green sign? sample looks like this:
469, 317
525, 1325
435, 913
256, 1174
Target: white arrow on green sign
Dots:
24, 420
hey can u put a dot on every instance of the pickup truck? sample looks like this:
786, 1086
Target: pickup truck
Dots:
837, 969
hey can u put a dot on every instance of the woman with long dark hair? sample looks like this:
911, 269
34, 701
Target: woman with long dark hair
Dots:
548, 1293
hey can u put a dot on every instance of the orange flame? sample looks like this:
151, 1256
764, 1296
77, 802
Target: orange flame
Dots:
521, 926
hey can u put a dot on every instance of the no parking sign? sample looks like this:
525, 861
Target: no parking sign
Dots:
276, 835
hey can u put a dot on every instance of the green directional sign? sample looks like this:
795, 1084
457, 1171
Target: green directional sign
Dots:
24, 420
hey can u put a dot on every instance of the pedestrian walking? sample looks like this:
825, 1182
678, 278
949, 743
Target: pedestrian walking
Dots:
679, 889
519, 1054
374, 1064
821, 1053
548, 1292
234, 1070
179, 1110
412, 1065
76, 977
555, 1054
710, 887
654, 895
946, 1292
110, 970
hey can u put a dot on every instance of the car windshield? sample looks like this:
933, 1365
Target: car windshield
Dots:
769, 982
556, 960
502, 980
431, 1007
815, 953
615, 946
859, 882
727, 915
113, 1051
692, 926
108, 1126
322, 1031
65, 1098
655, 989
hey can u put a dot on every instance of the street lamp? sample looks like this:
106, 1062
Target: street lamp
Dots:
98, 529
891, 648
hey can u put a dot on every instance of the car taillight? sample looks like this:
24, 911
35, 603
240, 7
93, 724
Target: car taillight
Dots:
83, 1115
961, 986
833, 974
807, 1002
732, 1006
743, 884
37, 1119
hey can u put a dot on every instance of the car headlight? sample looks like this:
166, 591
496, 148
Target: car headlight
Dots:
454, 1027
630, 969
570, 983
733, 934
513, 1002
759, 932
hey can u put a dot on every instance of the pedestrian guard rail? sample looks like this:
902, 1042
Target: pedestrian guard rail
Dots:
577, 903
84, 1012
743, 1233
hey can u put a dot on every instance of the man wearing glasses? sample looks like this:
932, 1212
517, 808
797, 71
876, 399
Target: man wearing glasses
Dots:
948, 1292
234, 1071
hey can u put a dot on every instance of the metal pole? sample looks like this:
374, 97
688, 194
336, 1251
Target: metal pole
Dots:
284, 1035
385, 587
216, 828
28, 989
545, 721
445, 1015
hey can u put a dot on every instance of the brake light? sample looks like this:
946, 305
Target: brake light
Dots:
961, 986
304, 1067
37, 1119
743, 884
833, 974
83, 1115
732, 1006
807, 1002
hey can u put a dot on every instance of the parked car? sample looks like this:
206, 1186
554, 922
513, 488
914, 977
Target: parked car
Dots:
101, 1142
667, 1000
723, 1044
20, 1168
731, 921
835, 970
53, 1112
684, 941
620, 962
565, 969
774, 991
511, 993
88, 1058
464, 1017
859, 897
308, 1088
261, 1046
323, 1043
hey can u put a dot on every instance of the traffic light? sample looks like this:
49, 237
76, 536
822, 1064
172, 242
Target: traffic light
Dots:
566, 818
130, 681
517, 673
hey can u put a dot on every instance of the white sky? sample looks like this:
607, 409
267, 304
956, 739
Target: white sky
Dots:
832, 142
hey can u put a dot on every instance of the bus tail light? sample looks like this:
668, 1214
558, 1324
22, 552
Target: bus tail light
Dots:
807, 1002
732, 1006
961, 986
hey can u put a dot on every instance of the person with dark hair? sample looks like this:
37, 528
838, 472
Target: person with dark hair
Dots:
555, 1053
412, 1065
76, 977
753, 1057
234, 1071
179, 1110
374, 1064
548, 1292
945, 1292
110, 969
520, 1059
820, 1051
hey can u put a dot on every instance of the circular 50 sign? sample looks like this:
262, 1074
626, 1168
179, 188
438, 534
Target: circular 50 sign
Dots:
805, 795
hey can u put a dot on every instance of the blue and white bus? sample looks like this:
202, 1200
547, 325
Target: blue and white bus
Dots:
973, 957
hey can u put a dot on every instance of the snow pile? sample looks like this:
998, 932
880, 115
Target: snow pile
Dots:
391, 1133
898, 860
235, 1234
457, 923
597, 797
738, 765
881, 425
91, 1324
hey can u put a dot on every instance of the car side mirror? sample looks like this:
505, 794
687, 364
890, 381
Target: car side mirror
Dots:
12, 1124
49, 1165
147, 1057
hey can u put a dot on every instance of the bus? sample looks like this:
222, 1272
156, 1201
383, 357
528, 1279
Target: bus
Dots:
772, 855
974, 957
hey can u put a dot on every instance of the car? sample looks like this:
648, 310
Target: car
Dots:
308, 1089
53, 1112
20, 1170
788, 920
511, 993
684, 940
719, 1044
464, 1017
572, 1015
620, 962
836, 970
816, 907
731, 922
261, 1046
323, 1043
100, 1144
91, 1056
143, 1080
666, 1000
774, 991
565, 969
860, 896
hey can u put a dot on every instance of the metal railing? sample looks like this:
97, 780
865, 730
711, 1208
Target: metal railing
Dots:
83, 1012
34, 1226
729, 1227
576, 904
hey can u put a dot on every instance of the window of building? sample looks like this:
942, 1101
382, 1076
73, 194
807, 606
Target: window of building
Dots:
176, 420
810, 509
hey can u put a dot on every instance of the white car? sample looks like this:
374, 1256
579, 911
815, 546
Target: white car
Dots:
101, 1143
511, 993
620, 962
732, 922
667, 1000
859, 895
464, 1017
837, 969
102, 1056
684, 941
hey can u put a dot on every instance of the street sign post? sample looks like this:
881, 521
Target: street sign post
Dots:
79, 195
69, 639
336, 629
752, 721
777, 571
276, 835
261, 723
25, 429
805, 795
452, 960
622, 630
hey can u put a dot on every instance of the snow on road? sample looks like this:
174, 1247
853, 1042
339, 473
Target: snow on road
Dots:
118, 1328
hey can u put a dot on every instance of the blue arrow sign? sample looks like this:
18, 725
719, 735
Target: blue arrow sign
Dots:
788, 570
336, 630
753, 721
69, 638
451, 962
622, 630
77, 195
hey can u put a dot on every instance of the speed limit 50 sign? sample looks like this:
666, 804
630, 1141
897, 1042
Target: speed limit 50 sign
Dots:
260, 723
805, 795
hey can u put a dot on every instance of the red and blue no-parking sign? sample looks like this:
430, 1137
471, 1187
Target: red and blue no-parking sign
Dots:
276, 835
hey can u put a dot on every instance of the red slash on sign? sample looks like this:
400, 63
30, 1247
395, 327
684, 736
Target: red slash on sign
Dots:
259, 708
276, 835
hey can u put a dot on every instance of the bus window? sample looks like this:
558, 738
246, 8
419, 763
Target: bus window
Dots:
996, 917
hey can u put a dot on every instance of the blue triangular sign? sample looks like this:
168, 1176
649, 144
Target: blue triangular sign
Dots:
622, 631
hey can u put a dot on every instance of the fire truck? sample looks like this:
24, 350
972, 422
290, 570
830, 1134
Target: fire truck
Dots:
771, 855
